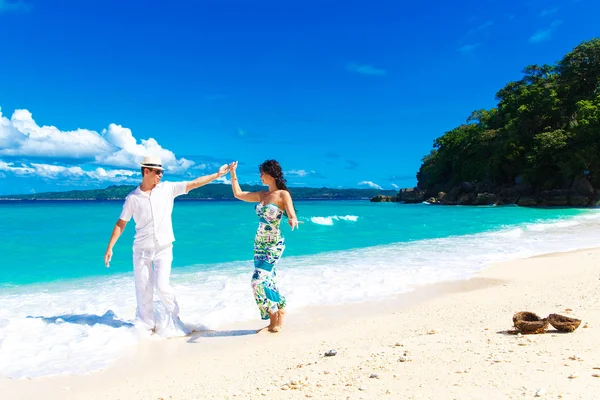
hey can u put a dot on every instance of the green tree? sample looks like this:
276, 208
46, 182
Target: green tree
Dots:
545, 128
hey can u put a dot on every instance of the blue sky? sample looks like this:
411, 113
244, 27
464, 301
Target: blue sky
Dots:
345, 94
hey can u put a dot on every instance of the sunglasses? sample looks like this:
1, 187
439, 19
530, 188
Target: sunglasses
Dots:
156, 171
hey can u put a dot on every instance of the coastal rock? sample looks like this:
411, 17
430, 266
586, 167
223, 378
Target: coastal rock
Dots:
432, 200
527, 201
595, 198
509, 195
582, 186
577, 200
582, 192
578, 192
411, 195
383, 199
440, 197
467, 199
486, 199
452, 196
554, 198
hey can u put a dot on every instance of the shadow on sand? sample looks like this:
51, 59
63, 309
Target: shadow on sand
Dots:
196, 335
514, 332
107, 319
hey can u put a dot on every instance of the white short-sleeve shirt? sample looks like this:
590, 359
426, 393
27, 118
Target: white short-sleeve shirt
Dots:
152, 213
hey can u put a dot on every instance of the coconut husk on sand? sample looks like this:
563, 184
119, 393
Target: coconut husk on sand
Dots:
562, 323
529, 323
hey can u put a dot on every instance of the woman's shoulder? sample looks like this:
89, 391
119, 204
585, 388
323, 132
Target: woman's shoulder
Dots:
283, 193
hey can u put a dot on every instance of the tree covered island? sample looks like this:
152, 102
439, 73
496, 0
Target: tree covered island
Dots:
540, 146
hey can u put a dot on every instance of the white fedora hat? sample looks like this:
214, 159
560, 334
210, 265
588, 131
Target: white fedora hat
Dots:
152, 162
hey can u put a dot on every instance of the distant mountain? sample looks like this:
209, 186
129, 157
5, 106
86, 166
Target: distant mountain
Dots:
207, 192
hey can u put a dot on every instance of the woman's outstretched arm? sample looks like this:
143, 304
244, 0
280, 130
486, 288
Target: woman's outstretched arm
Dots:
237, 190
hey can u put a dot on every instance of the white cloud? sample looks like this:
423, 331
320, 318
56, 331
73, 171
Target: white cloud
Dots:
370, 184
22, 136
297, 172
18, 170
115, 146
365, 69
129, 153
544, 34
224, 179
302, 173
59, 171
395, 186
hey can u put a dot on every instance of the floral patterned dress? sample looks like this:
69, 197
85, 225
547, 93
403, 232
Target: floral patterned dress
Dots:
268, 247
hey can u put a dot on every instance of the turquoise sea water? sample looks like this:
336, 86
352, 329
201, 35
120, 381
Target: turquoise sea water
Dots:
64, 312
54, 240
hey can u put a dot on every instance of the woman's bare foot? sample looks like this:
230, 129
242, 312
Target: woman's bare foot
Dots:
274, 321
280, 317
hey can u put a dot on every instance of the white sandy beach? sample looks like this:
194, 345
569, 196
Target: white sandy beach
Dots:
445, 341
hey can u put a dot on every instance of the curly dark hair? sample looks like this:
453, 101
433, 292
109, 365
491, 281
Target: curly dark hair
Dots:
272, 168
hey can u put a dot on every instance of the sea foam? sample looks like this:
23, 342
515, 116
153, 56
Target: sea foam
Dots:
330, 220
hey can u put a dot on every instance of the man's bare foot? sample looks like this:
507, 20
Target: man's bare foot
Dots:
274, 321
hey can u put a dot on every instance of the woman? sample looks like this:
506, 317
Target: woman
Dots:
268, 242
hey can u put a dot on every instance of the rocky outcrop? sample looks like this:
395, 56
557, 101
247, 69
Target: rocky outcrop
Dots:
509, 195
409, 196
526, 201
413, 195
579, 193
384, 199
486, 199
553, 198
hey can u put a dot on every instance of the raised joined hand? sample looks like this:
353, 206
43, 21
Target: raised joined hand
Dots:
224, 169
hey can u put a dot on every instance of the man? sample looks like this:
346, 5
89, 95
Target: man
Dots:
151, 206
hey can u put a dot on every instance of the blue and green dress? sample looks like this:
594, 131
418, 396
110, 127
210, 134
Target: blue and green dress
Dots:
268, 247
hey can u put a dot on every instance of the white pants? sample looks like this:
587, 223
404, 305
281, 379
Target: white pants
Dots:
146, 279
